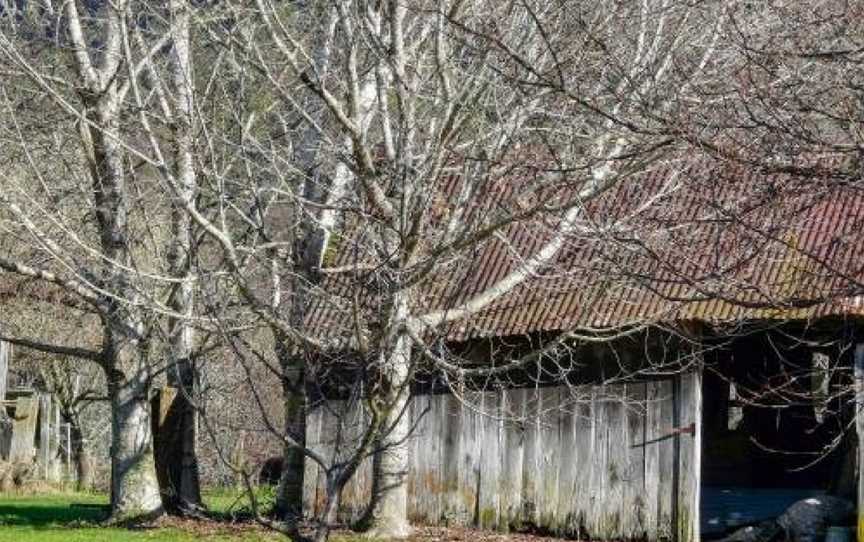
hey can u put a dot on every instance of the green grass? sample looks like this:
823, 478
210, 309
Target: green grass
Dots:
55, 518
228, 500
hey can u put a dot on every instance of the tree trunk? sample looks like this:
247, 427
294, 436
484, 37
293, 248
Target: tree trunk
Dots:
289, 495
308, 256
331, 509
83, 470
388, 517
171, 419
184, 493
134, 488
80, 454
181, 493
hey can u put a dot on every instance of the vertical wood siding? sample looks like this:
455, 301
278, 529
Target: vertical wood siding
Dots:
606, 462
22, 448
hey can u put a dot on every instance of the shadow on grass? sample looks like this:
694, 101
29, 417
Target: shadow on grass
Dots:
50, 514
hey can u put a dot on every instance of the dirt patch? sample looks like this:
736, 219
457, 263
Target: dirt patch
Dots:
202, 526
209, 527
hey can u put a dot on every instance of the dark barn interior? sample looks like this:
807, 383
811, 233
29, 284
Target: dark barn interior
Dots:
775, 406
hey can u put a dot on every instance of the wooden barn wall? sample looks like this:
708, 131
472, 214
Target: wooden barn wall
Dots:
601, 462
21, 448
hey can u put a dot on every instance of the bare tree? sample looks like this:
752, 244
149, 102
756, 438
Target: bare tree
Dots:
370, 181
107, 253
416, 135
77, 388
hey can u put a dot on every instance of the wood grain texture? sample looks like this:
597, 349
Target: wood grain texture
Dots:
859, 427
5, 351
22, 447
607, 462
690, 407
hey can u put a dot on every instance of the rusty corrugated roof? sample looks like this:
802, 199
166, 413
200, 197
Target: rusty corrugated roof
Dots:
705, 241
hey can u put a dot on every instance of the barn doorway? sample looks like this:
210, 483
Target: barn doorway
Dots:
773, 426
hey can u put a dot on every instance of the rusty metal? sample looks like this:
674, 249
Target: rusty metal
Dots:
726, 245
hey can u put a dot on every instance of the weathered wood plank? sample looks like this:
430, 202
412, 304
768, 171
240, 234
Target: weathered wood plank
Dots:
597, 465
666, 494
614, 470
589, 462
488, 508
5, 355
5, 421
512, 451
690, 446
433, 459
423, 474
859, 426
311, 484
584, 498
46, 453
351, 421
412, 480
651, 453
469, 465
532, 463
452, 512
568, 463
22, 447
550, 423
633, 503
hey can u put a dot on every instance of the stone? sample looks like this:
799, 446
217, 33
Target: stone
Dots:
766, 531
807, 520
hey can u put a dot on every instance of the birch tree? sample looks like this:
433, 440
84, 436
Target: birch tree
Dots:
183, 374
418, 133
107, 252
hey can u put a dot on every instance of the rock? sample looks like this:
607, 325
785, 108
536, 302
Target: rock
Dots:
766, 531
807, 520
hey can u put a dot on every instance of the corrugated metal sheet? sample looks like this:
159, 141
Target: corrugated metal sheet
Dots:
722, 244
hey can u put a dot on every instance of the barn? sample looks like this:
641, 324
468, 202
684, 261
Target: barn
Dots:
30, 430
711, 376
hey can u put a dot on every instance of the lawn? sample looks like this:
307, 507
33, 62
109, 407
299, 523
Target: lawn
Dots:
75, 518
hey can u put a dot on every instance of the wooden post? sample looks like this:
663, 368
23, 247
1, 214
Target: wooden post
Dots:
689, 456
859, 429
68, 451
55, 444
5, 350
5, 421
45, 420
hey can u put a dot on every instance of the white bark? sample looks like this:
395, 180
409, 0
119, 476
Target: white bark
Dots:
134, 488
183, 475
389, 512
602, 180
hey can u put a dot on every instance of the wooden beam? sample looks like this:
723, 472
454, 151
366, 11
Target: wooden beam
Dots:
859, 429
688, 399
47, 453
